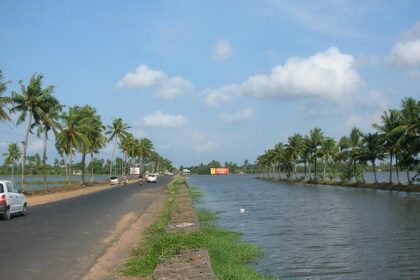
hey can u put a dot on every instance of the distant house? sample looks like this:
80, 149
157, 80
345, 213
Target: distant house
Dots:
186, 171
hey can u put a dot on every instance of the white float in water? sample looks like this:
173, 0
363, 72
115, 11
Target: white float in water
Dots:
242, 210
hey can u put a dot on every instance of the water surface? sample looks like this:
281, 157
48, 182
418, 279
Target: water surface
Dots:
320, 232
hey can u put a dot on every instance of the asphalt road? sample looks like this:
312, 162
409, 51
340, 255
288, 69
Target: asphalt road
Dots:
61, 240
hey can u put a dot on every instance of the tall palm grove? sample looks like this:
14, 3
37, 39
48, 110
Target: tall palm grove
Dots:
77, 130
315, 157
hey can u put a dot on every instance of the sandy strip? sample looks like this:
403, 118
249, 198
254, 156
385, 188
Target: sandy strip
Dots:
125, 237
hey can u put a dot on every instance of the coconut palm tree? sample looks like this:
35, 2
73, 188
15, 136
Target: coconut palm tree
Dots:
294, 149
30, 101
72, 135
355, 148
48, 121
116, 132
3, 99
328, 150
407, 133
390, 120
12, 156
372, 149
91, 126
314, 141
275, 157
144, 150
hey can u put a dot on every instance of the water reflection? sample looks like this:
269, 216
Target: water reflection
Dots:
321, 232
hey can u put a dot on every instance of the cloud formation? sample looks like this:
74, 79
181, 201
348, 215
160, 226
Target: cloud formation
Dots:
162, 120
165, 87
222, 50
239, 116
329, 74
406, 51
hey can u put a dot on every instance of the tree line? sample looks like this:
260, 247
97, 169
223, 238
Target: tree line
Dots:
77, 129
396, 143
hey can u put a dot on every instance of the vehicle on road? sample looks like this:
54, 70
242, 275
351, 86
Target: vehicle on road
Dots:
114, 180
152, 178
12, 200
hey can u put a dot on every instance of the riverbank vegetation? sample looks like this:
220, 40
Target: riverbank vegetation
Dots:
76, 129
316, 158
230, 257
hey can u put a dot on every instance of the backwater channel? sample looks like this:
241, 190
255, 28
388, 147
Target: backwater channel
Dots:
320, 232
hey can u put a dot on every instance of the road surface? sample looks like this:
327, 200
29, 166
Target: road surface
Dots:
63, 239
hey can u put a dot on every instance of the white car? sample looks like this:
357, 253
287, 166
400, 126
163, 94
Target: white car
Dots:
114, 180
12, 200
151, 178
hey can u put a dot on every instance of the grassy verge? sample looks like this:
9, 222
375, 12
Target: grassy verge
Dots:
230, 256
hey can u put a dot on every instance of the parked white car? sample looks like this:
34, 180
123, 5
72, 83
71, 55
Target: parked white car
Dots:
152, 178
12, 200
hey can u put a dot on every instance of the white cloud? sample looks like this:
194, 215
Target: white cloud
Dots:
406, 51
329, 74
239, 116
165, 87
223, 94
161, 120
222, 50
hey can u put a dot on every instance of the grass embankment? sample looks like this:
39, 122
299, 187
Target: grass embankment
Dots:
360, 185
230, 256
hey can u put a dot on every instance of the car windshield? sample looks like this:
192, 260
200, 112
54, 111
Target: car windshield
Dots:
1, 188
113, 178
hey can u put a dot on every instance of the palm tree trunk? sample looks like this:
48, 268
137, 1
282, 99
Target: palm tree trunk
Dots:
315, 168
396, 169
374, 171
25, 146
13, 168
310, 169
305, 169
44, 158
408, 176
91, 167
68, 168
390, 168
325, 165
354, 170
83, 167
295, 171
112, 158
141, 165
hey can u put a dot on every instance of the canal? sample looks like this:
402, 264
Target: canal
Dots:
320, 232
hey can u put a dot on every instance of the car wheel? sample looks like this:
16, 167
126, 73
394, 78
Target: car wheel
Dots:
24, 211
7, 215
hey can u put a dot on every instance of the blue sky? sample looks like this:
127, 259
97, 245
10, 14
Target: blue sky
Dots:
221, 80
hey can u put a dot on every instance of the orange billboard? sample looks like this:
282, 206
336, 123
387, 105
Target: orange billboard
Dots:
219, 171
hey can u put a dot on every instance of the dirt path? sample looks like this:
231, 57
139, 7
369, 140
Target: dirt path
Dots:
125, 237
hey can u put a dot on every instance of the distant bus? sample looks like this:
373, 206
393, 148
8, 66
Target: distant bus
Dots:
219, 171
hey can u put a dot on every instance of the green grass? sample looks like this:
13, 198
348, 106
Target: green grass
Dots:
230, 256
